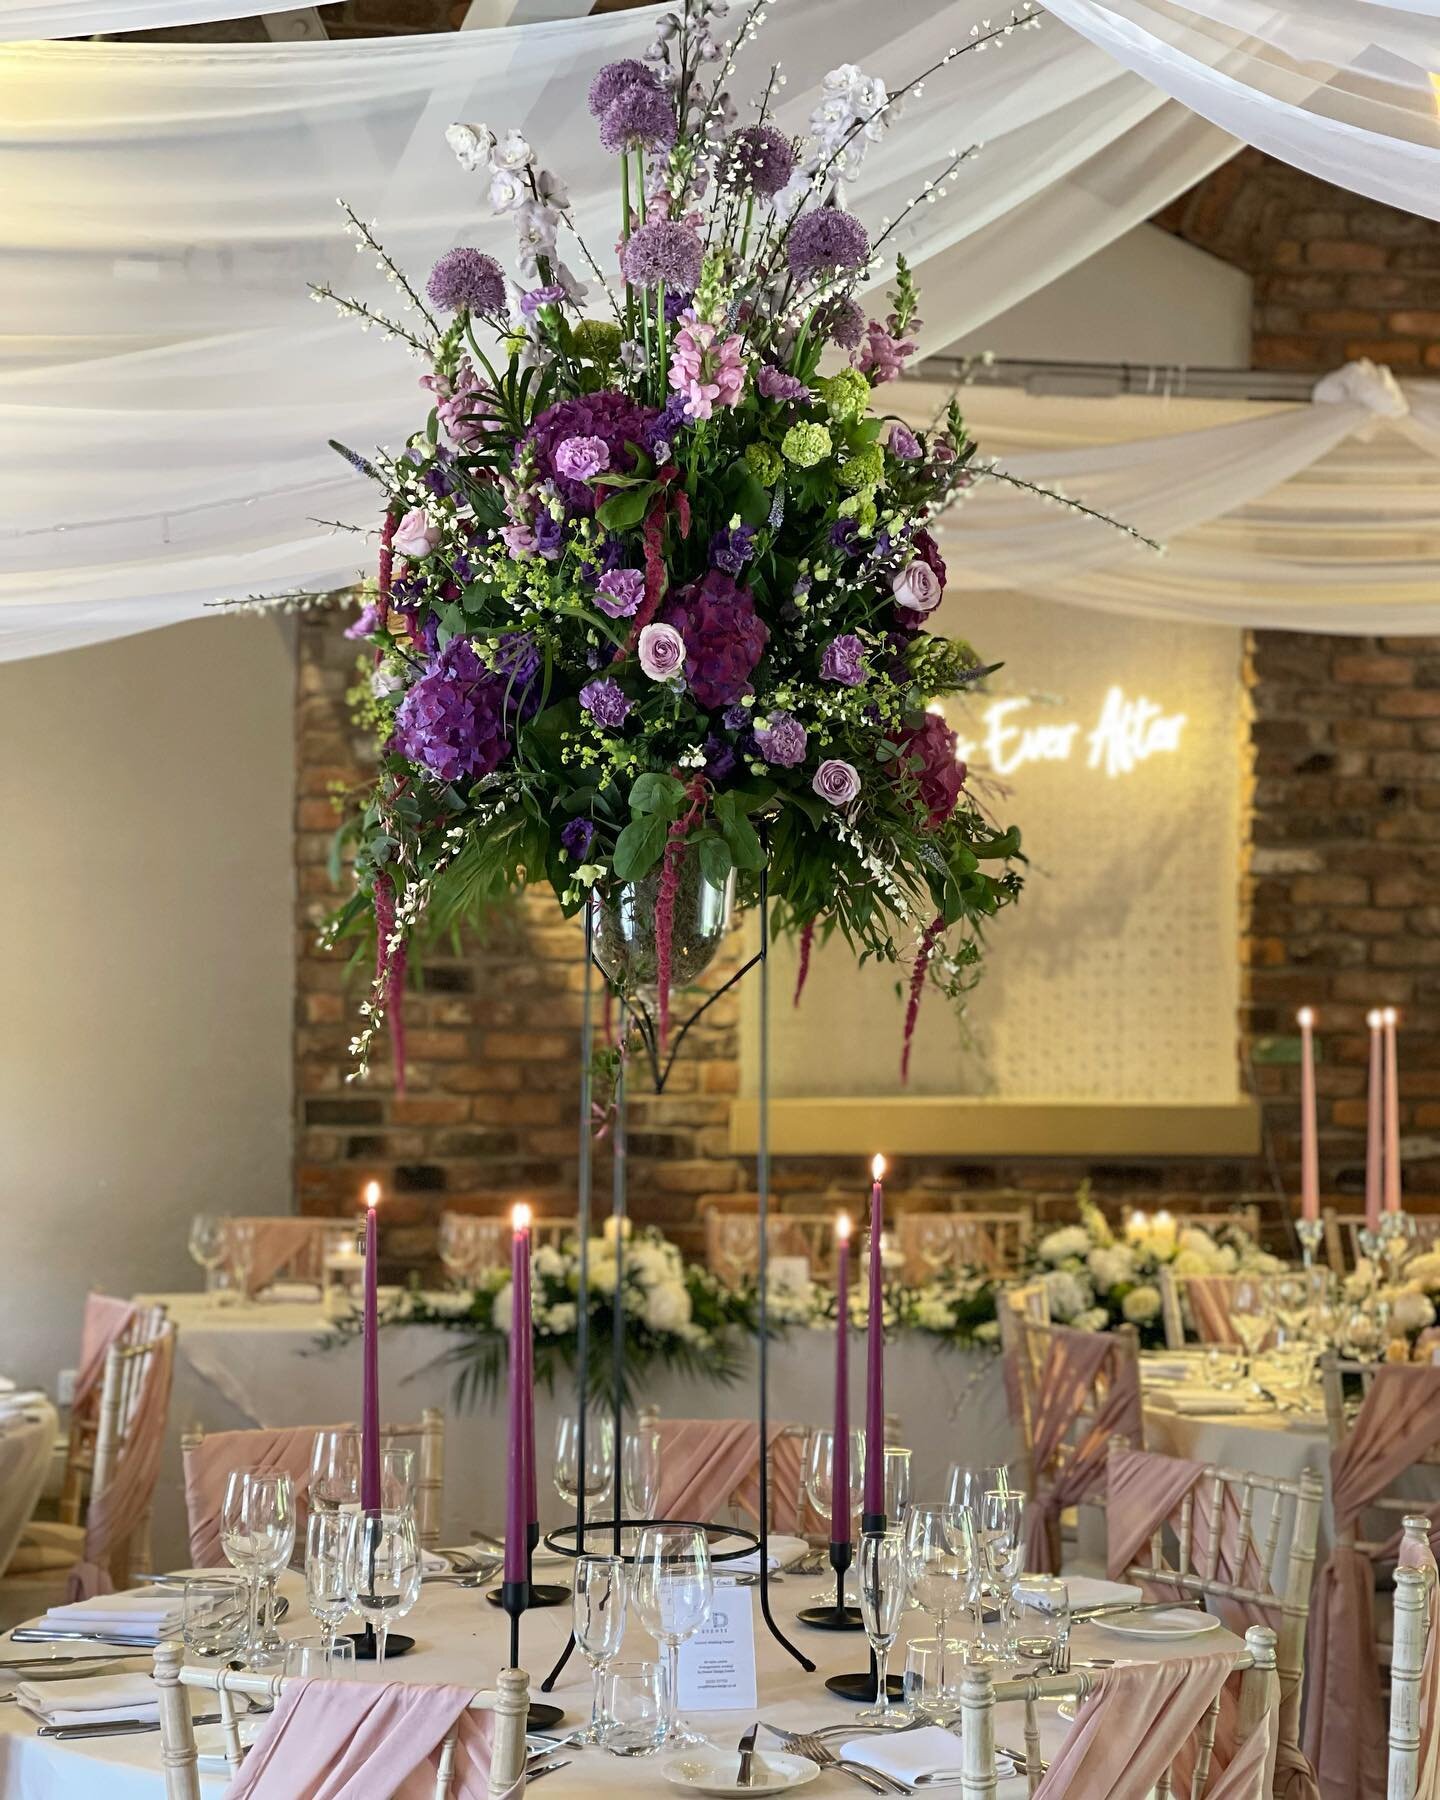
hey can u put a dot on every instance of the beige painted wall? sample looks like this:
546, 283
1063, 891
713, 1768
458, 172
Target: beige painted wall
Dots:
146, 892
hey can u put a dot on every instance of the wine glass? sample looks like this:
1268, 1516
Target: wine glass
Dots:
257, 1534
674, 1592
1002, 1551
599, 1459
598, 1609
397, 1479
896, 1465
944, 1566
327, 1593
456, 1247
334, 1470
1250, 1318
967, 1483
382, 1568
207, 1245
820, 1468
884, 1589
640, 1471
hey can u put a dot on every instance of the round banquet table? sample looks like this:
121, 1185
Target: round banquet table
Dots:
27, 1441
461, 1638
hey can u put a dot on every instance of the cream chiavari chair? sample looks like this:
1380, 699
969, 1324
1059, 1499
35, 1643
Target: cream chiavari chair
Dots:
508, 1700
1408, 1703
482, 1241
732, 1238
284, 1248
933, 1242
1177, 1299
1342, 1236
980, 1694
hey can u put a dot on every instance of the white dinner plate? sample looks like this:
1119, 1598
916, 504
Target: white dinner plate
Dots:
706, 1770
1184, 1622
210, 1744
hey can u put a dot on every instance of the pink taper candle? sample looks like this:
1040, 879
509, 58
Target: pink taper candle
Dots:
840, 1460
1309, 1144
873, 1502
1392, 1113
517, 1497
1375, 1116
370, 1397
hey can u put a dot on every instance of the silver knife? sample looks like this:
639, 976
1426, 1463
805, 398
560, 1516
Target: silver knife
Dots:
1130, 1606
746, 1747
21, 1636
549, 1769
116, 1728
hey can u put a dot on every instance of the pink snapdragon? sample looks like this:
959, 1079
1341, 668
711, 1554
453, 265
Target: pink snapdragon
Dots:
883, 355
707, 369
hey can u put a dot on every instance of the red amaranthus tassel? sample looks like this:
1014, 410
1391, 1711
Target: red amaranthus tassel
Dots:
665, 900
387, 563
928, 940
390, 973
807, 938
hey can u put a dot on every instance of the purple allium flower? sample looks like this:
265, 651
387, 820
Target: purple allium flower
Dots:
581, 458
775, 384
842, 320
606, 703
613, 417
367, 622
638, 118
940, 774
837, 781
757, 159
782, 740
662, 652
469, 279
732, 547
904, 443
844, 661
665, 251
723, 634
576, 839
531, 302
619, 592
613, 80
826, 241
454, 721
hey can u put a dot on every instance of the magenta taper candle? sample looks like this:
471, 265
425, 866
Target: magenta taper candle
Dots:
840, 1456
1374, 1154
1309, 1141
1389, 1019
873, 1502
370, 1395
527, 1392
517, 1497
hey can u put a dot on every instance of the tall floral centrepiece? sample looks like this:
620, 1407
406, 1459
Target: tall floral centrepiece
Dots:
656, 575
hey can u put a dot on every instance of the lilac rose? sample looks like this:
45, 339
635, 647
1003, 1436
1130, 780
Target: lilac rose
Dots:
581, 458
836, 782
662, 652
415, 535
619, 592
606, 702
917, 587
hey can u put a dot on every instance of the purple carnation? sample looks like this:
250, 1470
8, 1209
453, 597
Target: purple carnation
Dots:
469, 280
619, 592
613, 417
612, 81
576, 839
581, 458
640, 118
531, 302
782, 740
826, 241
732, 547
904, 443
455, 721
757, 159
844, 661
606, 702
842, 320
724, 636
663, 252
775, 384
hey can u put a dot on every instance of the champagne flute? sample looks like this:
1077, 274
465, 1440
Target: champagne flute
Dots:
1249, 1319
640, 1471
674, 1593
240, 1249
896, 1466
1002, 1547
884, 1589
599, 1623
334, 1470
944, 1566
382, 1569
456, 1247
207, 1245
327, 1594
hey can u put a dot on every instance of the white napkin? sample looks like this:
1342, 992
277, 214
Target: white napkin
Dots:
1091, 1590
930, 1755
290, 1290
1163, 1368
100, 1700
1208, 1401
144, 1617
782, 1549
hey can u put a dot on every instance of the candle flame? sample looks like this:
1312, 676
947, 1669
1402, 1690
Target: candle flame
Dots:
877, 1167
1306, 1017
1375, 1018
1390, 1016
372, 1194
842, 1227
520, 1217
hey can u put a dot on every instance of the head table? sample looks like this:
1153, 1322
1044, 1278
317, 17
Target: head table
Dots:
461, 1638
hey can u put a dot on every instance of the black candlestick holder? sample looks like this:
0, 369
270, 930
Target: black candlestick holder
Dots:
367, 1645
542, 1593
838, 1617
863, 1685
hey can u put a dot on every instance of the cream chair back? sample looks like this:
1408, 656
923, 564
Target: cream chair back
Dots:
732, 1239
933, 1243
1414, 1625
1342, 1236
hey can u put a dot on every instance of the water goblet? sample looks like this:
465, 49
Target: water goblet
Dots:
1002, 1550
1042, 1611
637, 1707
884, 1588
327, 1592
674, 1591
334, 1470
599, 1625
944, 1568
257, 1534
214, 1614
1250, 1318
818, 1476
456, 1248
207, 1245
320, 1658
270, 1503
640, 1471
382, 1569
924, 1700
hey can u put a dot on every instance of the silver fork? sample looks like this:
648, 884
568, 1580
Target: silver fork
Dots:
806, 1744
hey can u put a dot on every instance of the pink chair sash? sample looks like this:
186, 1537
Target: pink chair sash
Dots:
118, 1509
208, 1465
1073, 1367
1427, 1775
1209, 1297
1345, 1729
346, 1740
707, 1463
106, 1319
276, 1244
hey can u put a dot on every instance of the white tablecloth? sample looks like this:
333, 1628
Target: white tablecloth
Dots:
27, 1438
461, 1637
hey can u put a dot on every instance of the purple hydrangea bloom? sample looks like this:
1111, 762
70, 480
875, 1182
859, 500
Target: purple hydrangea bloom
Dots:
470, 279
609, 415
576, 839
581, 458
531, 302
611, 82
757, 159
720, 759
640, 118
782, 740
454, 721
775, 384
732, 547
619, 592
904, 443
724, 636
606, 702
367, 621
844, 661
665, 252
826, 241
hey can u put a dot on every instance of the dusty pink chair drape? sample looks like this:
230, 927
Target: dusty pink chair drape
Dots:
208, 1465
118, 1509
1074, 1365
106, 1320
1345, 1727
276, 1243
707, 1463
347, 1740
1427, 1777
1209, 1297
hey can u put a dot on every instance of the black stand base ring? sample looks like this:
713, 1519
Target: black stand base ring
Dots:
367, 1645
543, 1718
541, 1594
831, 1618
861, 1687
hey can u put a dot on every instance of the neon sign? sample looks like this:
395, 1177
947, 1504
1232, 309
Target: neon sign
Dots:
1127, 733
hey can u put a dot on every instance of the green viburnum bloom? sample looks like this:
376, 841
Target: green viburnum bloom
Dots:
764, 461
861, 508
806, 444
864, 469
846, 396
598, 338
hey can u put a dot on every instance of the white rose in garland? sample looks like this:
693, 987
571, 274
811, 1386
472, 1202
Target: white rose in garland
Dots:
667, 1307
